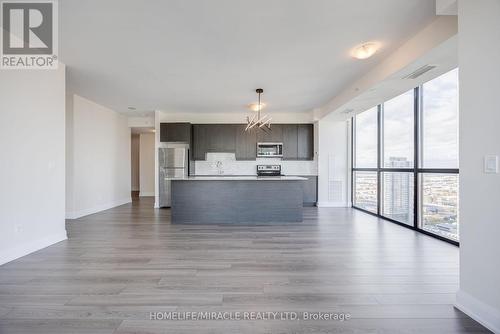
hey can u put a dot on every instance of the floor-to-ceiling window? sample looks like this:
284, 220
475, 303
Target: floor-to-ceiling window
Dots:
438, 177
398, 158
405, 158
365, 192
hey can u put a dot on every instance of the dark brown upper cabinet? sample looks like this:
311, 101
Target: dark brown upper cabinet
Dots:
290, 140
175, 132
200, 141
297, 139
305, 141
246, 143
210, 138
274, 135
221, 138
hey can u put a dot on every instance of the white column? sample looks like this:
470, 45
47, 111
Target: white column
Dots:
479, 65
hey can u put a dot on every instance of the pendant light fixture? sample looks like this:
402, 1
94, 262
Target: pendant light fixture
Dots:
257, 120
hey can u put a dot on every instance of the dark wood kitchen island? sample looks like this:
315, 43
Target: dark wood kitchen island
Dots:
236, 199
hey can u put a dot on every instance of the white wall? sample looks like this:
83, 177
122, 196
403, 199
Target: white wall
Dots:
32, 124
479, 55
100, 154
333, 166
147, 164
135, 166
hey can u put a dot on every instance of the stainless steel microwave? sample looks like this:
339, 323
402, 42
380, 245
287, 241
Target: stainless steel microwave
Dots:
270, 150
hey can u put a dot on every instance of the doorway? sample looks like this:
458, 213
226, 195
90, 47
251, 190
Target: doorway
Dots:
142, 146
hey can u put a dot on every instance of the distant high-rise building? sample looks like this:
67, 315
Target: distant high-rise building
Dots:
397, 194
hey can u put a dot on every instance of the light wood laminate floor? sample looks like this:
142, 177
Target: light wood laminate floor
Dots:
121, 264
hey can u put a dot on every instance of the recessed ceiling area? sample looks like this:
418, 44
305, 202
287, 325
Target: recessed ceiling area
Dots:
209, 56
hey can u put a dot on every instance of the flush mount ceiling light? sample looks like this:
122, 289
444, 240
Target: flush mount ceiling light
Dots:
365, 50
255, 106
257, 120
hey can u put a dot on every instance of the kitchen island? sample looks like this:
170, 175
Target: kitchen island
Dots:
236, 199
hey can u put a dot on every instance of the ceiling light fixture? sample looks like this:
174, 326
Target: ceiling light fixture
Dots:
257, 120
365, 50
255, 106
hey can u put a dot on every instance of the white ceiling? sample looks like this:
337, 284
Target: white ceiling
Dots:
209, 56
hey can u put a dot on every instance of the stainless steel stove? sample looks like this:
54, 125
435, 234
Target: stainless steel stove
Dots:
268, 170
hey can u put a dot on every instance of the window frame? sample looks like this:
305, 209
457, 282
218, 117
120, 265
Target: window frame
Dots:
416, 170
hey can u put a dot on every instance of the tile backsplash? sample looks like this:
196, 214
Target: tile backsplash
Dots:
226, 164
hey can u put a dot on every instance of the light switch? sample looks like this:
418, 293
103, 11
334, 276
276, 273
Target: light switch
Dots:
491, 164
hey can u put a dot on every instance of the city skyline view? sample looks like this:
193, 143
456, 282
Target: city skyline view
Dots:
438, 135
439, 126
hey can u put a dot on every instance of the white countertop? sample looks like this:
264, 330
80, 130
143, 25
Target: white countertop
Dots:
241, 178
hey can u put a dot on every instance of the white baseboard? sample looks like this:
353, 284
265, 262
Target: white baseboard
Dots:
31, 246
479, 311
146, 194
331, 205
86, 212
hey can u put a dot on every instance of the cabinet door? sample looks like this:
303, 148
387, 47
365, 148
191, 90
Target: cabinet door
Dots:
199, 141
274, 135
175, 132
310, 190
305, 141
229, 138
163, 132
263, 136
246, 143
290, 142
277, 133
221, 137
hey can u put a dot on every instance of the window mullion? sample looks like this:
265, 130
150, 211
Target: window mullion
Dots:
380, 142
416, 152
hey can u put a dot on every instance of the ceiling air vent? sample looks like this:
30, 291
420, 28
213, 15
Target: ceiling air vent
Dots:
347, 111
422, 70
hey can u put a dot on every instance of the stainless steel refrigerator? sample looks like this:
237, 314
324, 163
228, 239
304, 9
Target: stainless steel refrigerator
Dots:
173, 161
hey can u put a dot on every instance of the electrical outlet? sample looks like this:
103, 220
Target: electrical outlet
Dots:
491, 164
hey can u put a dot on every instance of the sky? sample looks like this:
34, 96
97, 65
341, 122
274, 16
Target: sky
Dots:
439, 126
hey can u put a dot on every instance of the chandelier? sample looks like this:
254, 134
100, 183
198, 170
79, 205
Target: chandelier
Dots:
258, 120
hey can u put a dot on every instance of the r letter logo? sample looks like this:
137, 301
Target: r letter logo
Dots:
29, 35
